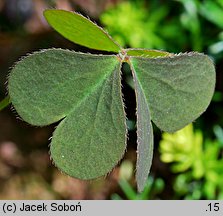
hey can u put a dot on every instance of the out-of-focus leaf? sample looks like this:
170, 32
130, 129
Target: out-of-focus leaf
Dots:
128, 15
219, 134
5, 102
128, 190
213, 12
184, 147
216, 48
126, 170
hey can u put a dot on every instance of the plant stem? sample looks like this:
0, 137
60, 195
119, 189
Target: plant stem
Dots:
4, 103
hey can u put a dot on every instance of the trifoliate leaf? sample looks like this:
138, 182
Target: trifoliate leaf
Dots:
177, 88
144, 137
80, 30
84, 89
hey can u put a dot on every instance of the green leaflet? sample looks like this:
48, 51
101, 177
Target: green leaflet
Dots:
144, 136
177, 88
91, 140
86, 90
4, 103
147, 53
45, 93
80, 30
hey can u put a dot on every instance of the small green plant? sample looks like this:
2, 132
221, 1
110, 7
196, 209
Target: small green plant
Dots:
151, 189
200, 171
84, 92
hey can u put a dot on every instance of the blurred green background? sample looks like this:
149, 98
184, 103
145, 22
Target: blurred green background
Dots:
186, 165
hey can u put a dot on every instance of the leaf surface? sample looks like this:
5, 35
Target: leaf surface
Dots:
146, 53
83, 89
45, 86
91, 140
144, 137
177, 88
80, 30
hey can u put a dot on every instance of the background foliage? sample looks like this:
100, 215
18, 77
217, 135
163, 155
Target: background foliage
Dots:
186, 165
